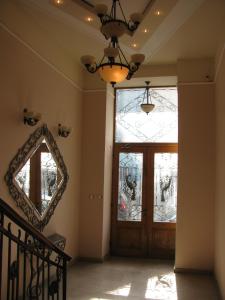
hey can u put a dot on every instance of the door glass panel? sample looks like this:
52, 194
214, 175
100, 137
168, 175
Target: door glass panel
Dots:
130, 186
165, 187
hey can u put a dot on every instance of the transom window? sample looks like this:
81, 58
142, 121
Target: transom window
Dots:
135, 126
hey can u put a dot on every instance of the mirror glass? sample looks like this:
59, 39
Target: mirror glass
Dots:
40, 178
37, 177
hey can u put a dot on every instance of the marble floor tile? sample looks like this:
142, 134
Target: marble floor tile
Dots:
136, 279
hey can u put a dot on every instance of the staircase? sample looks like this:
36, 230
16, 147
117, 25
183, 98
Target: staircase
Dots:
31, 266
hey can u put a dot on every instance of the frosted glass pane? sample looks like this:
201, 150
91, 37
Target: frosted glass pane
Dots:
130, 186
159, 126
165, 187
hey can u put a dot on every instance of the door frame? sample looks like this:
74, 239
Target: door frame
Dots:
147, 224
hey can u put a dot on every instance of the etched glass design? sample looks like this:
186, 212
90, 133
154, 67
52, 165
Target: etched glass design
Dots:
135, 126
48, 178
130, 186
165, 187
23, 178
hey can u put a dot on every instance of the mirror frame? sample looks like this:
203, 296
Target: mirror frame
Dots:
20, 159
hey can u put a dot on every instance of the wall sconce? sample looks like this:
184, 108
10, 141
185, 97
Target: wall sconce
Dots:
31, 118
64, 131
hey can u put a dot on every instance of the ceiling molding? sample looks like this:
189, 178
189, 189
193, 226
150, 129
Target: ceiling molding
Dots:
182, 11
90, 7
196, 83
69, 20
54, 67
65, 18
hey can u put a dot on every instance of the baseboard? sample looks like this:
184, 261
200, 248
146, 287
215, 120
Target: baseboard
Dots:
192, 271
218, 288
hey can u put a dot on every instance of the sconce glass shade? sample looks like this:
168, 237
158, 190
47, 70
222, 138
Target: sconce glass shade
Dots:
147, 107
113, 73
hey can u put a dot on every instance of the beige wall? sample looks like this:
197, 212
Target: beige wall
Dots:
108, 171
29, 25
92, 176
195, 214
95, 205
220, 177
26, 81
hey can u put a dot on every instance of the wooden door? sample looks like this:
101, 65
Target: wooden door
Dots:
143, 182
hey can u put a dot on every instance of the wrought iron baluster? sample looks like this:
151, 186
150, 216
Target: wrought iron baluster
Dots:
58, 279
9, 262
43, 275
18, 265
25, 267
64, 277
30, 287
1, 250
38, 277
48, 278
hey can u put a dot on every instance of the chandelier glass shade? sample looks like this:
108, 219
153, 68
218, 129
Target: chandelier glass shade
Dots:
148, 106
113, 73
114, 67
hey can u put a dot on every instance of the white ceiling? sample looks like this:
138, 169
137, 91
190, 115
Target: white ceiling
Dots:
185, 28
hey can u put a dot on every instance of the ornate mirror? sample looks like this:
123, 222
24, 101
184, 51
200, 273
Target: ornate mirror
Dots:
37, 177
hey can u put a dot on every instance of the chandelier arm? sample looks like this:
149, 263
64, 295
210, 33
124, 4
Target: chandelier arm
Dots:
144, 96
147, 91
129, 75
123, 12
101, 61
122, 54
120, 58
112, 10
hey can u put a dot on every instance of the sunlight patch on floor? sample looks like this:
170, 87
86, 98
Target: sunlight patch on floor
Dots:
98, 299
121, 291
162, 287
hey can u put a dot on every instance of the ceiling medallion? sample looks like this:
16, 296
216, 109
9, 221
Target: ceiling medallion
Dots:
114, 67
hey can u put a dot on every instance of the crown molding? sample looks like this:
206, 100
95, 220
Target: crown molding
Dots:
36, 53
94, 91
196, 83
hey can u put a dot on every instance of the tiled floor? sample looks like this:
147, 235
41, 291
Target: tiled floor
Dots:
136, 279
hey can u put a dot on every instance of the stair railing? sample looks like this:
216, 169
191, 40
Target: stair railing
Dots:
31, 266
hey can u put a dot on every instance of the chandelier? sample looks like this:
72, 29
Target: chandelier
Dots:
114, 67
148, 106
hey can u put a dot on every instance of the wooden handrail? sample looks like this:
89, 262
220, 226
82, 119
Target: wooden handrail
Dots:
17, 219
